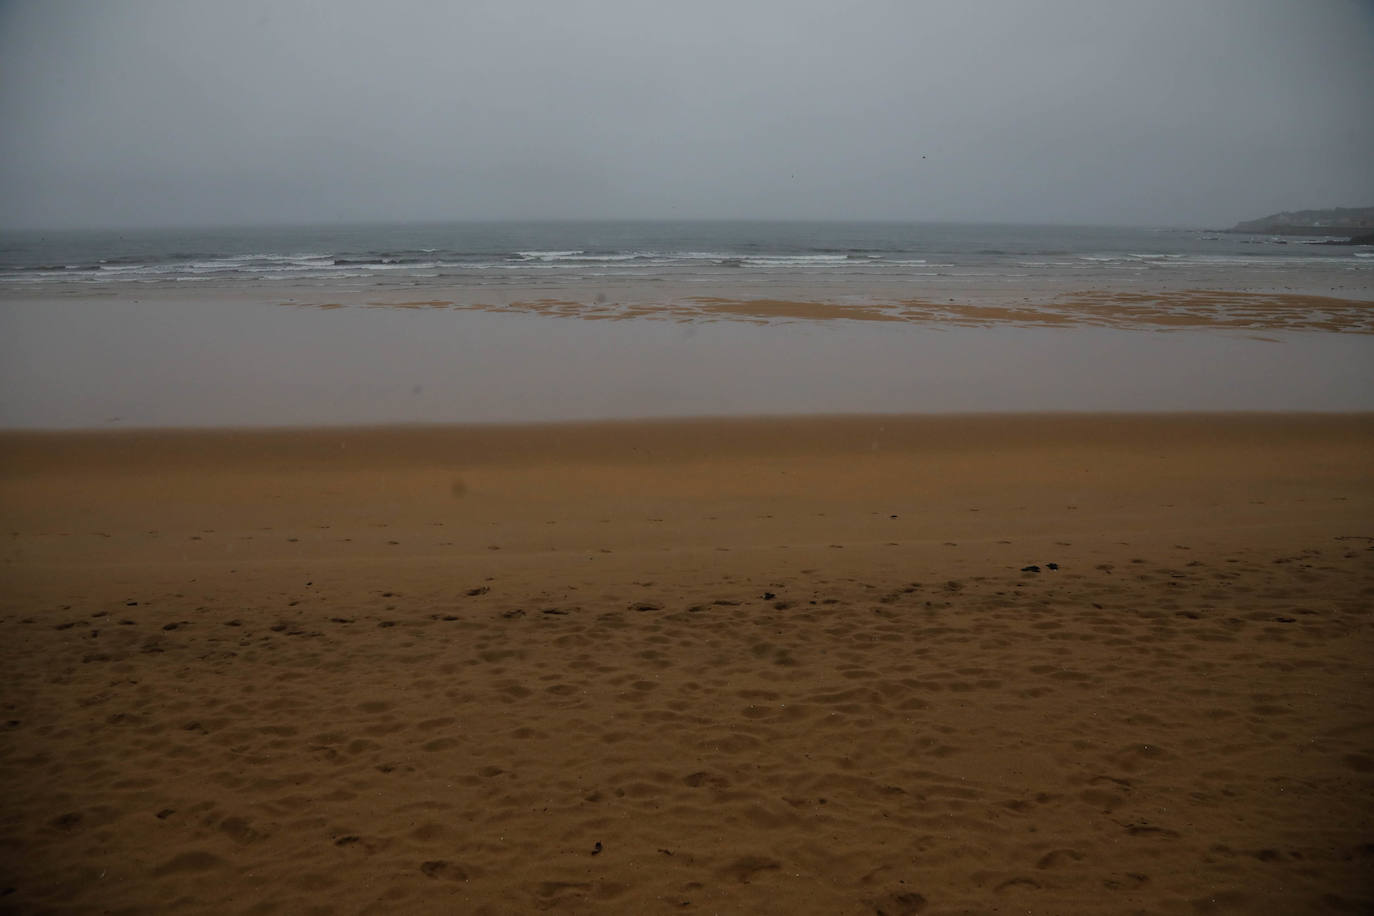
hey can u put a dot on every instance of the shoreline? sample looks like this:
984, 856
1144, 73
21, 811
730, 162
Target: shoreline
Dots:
1174, 310
1193, 301
909, 417
669, 437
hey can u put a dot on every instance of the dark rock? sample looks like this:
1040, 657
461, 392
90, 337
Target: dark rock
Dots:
1366, 239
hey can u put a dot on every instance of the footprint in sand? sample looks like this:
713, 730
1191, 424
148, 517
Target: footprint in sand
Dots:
898, 903
1057, 858
745, 868
193, 861
440, 869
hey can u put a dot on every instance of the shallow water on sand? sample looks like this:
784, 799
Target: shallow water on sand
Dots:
200, 361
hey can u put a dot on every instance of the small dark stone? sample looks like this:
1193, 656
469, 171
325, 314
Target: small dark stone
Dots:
67, 821
596, 850
1031, 568
769, 596
1051, 565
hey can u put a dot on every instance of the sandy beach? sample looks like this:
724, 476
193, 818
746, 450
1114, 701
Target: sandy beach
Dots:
1045, 664
632, 458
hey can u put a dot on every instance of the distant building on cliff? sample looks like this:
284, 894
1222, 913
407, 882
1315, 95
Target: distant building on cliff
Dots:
1335, 221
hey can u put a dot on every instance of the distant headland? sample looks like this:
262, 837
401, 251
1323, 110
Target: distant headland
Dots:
1356, 222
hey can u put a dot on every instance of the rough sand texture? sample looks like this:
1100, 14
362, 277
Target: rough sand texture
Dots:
762, 666
1159, 310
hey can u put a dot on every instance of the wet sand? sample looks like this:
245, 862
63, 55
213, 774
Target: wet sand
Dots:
1158, 310
1047, 664
198, 358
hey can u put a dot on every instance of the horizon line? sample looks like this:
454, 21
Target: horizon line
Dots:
430, 221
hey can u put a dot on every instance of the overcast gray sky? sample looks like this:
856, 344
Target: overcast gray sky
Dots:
1172, 112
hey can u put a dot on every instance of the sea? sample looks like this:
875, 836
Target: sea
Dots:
494, 254
387, 324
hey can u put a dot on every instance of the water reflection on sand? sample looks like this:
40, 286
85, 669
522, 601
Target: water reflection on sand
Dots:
206, 361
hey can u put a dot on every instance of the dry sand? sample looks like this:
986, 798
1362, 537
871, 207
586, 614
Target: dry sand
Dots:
741, 667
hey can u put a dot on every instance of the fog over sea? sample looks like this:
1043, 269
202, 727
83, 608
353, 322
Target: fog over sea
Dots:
483, 322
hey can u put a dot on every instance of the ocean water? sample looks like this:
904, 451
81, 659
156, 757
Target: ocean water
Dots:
797, 255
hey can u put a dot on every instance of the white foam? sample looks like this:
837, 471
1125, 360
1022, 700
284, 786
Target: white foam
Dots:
548, 255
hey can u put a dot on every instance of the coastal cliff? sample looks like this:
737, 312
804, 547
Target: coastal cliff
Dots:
1357, 222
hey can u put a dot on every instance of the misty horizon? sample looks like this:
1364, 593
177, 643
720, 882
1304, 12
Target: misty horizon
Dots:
306, 225
153, 114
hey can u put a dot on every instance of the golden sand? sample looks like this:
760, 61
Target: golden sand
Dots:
865, 665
